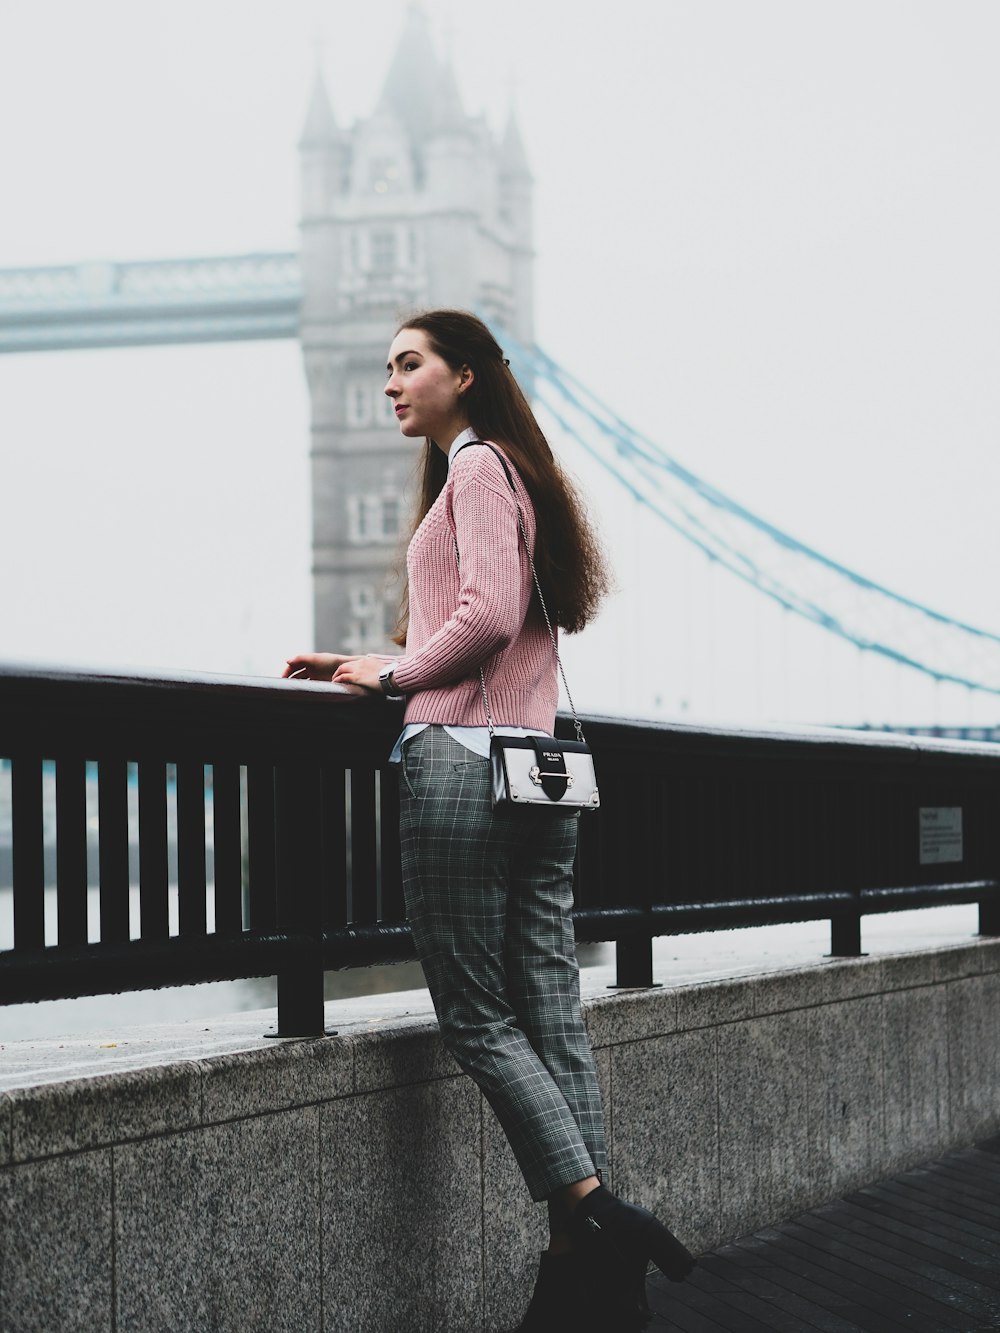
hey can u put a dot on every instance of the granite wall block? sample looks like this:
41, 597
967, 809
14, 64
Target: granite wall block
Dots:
88, 1113
915, 1060
56, 1245
515, 1231
415, 1054
6, 1118
665, 1131
218, 1229
715, 1003
846, 1102
826, 983
974, 1057
763, 1120
631, 1015
403, 1209
290, 1073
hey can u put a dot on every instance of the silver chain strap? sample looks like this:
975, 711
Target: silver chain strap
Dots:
545, 612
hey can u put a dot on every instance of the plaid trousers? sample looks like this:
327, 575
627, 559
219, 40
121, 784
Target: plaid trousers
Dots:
488, 897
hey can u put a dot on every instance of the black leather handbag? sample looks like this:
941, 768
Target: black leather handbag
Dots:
538, 771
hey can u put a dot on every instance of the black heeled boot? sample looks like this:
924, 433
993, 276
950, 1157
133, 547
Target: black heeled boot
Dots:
617, 1240
559, 1302
571, 1297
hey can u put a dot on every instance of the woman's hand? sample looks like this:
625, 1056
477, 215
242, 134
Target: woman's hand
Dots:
313, 666
361, 671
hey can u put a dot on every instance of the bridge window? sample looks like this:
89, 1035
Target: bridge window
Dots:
390, 517
359, 525
385, 175
366, 629
362, 599
374, 518
358, 403
383, 251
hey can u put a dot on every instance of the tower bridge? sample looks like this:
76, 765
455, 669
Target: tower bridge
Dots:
421, 203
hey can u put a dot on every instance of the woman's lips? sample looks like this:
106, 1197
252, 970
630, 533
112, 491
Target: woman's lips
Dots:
401, 408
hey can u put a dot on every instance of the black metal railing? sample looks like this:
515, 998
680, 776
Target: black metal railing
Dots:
164, 830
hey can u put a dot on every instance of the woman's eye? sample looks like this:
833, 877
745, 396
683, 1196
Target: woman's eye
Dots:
409, 365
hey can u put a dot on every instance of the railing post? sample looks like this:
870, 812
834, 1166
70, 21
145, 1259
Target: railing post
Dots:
634, 959
989, 910
845, 929
297, 807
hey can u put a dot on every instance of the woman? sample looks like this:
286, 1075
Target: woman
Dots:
489, 893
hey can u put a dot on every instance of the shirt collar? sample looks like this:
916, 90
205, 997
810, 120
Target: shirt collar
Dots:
466, 437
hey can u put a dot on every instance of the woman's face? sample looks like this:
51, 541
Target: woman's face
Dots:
425, 391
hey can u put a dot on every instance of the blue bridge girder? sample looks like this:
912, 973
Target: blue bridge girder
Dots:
149, 302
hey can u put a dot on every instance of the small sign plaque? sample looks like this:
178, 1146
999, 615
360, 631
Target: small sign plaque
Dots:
940, 834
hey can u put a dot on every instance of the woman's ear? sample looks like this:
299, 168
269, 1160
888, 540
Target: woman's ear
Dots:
467, 376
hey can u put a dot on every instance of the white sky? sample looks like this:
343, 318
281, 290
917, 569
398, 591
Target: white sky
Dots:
767, 234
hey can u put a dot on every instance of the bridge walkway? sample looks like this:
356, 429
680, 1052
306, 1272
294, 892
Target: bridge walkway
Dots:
917, 1252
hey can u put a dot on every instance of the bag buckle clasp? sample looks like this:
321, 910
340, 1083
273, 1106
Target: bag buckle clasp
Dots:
535, 773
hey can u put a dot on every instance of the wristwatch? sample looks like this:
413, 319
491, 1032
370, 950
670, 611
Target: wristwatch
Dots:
385, 679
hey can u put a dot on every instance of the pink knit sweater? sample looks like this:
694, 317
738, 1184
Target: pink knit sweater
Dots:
479, 615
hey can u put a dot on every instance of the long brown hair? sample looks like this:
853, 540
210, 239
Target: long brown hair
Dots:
570, 564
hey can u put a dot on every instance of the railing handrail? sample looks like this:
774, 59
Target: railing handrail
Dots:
649, 733
701, 827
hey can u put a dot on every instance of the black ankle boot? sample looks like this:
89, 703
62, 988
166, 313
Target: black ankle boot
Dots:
617, 1240
558, 1303
602, 1223
570, 1297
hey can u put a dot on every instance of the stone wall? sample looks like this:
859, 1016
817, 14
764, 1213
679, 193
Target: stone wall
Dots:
360, 1183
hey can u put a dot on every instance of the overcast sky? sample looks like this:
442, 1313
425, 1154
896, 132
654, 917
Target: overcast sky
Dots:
767, 234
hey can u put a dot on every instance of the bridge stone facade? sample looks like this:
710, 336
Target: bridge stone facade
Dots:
417, 205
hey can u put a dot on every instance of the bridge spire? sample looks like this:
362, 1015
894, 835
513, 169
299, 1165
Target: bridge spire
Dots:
513, 155
410, 92
320, 125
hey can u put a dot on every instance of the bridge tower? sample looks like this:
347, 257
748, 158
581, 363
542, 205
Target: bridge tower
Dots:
418, 205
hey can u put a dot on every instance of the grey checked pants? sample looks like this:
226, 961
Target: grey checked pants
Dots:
489, 896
